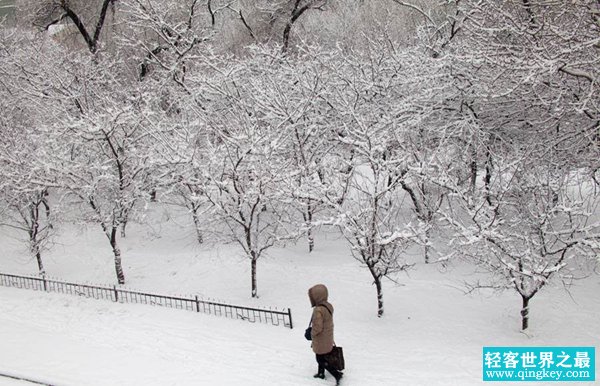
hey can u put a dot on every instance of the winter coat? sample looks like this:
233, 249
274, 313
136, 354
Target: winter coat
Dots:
322, 320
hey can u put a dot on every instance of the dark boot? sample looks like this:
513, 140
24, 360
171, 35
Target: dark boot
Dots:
338, 378
320, 372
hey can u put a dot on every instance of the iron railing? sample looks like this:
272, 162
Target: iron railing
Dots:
115, 294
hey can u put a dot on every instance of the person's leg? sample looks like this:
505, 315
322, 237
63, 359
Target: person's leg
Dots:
333, 371
336, 374
321, 370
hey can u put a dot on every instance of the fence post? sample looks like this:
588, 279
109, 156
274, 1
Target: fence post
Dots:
45, 283
116, 293
290, 315
197, 304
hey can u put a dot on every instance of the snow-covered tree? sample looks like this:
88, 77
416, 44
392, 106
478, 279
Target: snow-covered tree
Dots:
524, 106
245, 168
169, 43
24, 193
291, 93
102, 145
83, 23
524, 74
542, 224
24, 203
373, 117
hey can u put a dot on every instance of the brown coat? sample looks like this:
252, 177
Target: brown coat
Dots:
322, 320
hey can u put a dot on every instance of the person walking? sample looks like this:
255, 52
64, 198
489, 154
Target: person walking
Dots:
322, 330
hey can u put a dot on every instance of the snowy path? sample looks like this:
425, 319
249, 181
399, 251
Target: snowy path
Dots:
432, 334
65, 340
72, 341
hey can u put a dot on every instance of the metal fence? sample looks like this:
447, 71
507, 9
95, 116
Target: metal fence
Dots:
115, 294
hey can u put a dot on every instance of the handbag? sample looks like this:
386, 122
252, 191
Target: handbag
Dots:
336, 358
308, 333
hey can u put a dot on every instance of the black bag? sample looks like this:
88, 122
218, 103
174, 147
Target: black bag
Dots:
308, 333
336, 358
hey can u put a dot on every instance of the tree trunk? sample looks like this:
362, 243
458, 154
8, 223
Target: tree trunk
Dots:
254, 286
296, 13
286, 36
33, 234
488, 176
199, 235
473, 170
525, 313
308, 217
44, 202
91, 41
427, 248
117, 254
38, 257
379, 286
124, 219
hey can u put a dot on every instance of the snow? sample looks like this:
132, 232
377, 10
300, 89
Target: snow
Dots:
55, 29
431, 333
74, 341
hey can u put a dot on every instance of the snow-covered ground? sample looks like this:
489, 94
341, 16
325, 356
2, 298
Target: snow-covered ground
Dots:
432, 333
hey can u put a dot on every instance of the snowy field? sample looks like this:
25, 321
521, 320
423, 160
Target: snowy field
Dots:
431, 334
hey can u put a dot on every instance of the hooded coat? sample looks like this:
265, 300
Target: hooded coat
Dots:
322, 320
